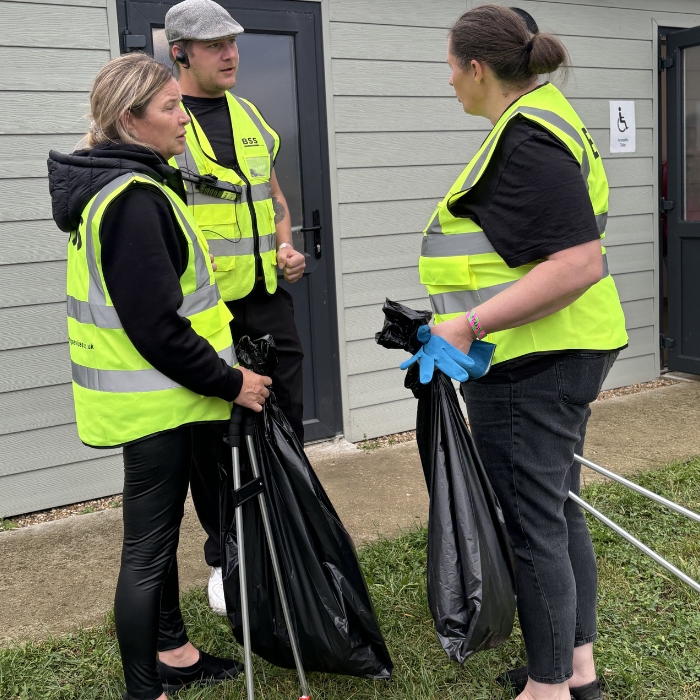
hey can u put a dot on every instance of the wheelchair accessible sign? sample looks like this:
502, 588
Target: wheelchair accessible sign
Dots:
623, 131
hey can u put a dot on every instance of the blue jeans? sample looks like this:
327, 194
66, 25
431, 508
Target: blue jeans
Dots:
526, 433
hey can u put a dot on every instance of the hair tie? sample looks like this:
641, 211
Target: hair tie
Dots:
530, 44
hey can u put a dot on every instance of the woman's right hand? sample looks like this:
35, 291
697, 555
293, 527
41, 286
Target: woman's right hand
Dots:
254, 390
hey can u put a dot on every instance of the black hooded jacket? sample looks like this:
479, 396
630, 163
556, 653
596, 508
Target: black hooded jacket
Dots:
144, 254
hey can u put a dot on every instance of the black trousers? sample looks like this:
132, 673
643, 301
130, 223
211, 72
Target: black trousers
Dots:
527, 433
146, 605
256, 315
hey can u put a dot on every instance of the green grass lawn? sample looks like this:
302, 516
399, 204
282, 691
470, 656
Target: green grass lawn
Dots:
649, 644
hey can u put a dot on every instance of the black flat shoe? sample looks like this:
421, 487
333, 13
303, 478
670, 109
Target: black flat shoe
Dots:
590, 691
209, 670
514, 680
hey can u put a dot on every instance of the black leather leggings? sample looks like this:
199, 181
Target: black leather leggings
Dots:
146, 605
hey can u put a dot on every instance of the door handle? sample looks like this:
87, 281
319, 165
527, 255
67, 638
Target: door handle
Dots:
316, 228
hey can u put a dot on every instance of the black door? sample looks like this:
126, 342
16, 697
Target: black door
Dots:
683, 200
281, 72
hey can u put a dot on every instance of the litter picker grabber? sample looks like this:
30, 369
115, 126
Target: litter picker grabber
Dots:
245, 419
626, 535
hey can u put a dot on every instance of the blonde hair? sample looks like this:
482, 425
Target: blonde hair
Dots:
125, 84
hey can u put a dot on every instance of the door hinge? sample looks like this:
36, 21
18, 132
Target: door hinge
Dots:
133, 42
665, 63
667, 342
666, 204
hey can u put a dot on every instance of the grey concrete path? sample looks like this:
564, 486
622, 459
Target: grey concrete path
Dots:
56, 576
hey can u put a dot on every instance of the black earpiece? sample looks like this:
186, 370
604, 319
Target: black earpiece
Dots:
182, 58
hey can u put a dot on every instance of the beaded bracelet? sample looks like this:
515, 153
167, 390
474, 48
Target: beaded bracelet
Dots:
475, 325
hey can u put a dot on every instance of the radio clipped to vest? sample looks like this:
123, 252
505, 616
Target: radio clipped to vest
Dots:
211, 186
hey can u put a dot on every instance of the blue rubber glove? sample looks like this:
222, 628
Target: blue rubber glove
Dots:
437, 352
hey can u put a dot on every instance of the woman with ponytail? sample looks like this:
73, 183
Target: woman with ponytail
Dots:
514, 254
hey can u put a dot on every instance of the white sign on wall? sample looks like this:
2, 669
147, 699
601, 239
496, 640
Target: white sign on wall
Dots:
623, 131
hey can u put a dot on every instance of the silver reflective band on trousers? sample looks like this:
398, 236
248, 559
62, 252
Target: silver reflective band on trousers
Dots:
461, 302
241, 246
132, 381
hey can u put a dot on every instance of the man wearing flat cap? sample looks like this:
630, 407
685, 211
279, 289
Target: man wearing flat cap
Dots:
243, 214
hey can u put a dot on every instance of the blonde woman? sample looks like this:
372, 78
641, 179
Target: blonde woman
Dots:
151, 351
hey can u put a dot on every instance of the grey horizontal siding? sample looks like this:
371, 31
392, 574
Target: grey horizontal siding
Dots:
25, 199
440, 13
25, 155
44, 112
387, 78
50, 58
27, 368
30, 409
584, 19
53, 26
46, 447
31, 241
381, 149
428, 44
65, 70
56, 486
30, 284
386, 184
43, 324
414, 113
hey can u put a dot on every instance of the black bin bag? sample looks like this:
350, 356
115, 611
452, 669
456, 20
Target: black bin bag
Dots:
471, 579
328, 597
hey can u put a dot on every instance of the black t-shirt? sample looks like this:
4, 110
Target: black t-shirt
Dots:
213, 116
531, 202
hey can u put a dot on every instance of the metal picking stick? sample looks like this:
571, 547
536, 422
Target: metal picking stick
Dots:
248, 429
639, 489
235, 442
639, 545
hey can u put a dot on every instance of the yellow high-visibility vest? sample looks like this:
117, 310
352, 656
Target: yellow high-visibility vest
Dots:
461, 269
119, 396
237, 228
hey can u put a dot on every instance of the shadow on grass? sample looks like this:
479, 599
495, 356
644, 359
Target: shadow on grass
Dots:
649, 644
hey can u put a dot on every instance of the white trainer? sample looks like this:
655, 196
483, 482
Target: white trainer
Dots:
217, 602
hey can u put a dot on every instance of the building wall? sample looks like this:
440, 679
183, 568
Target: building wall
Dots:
402, 139
50, 52
398, 138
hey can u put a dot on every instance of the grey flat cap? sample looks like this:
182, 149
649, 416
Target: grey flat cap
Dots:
199, 20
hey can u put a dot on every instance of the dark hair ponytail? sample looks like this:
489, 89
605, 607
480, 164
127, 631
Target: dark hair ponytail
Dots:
500, 38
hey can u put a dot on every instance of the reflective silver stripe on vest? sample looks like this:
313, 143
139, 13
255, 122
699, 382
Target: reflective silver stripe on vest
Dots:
242, 246
107, 317
200, 300
439, 246
461, 302
96, 311
100, 316
119, 381
560, 123
96, 294
269, 138
602, 221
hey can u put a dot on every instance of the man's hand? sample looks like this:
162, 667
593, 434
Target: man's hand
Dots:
292, 262
254, 390
213, 264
